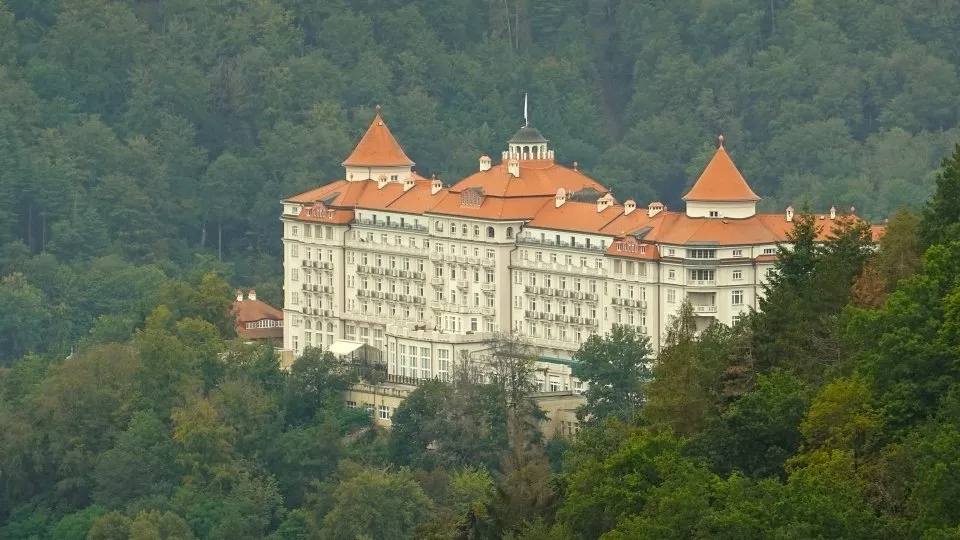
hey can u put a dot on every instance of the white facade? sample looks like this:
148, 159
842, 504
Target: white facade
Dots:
428, 289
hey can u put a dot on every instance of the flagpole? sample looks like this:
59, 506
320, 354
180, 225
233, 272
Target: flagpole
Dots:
526, 120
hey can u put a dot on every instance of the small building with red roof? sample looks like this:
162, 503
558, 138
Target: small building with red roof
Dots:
256, 319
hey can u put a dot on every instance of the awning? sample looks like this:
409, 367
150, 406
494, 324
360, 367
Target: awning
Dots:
344, 347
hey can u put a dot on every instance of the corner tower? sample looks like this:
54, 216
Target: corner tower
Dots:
721, 191
378, 156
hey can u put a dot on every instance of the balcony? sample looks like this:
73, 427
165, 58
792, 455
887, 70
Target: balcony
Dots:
701, 283
391, 225
463, 284
436, 256
705, 310
436, 281
487, 287
487, 311
439, 336
488, 262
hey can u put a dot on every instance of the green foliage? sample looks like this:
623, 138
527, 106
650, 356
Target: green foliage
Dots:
375, 504
615, 367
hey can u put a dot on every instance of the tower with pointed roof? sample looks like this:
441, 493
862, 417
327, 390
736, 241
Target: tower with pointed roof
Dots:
721, 191
378, 156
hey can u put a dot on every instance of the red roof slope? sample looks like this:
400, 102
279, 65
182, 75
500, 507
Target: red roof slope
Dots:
721, 181
378, 148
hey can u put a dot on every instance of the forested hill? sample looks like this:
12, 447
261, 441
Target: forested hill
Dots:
155, 131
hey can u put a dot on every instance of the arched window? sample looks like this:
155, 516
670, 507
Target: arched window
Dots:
476, 231
509, 232
438, 225
489, 232
453, 228
464, 229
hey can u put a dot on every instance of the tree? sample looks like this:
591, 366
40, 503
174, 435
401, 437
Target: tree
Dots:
615, 368
758, 432
942, 214
23, 330
685, 388
140, 466
375, 504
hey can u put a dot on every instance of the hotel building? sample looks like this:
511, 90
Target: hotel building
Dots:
429, 274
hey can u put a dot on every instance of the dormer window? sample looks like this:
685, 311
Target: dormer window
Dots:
714, 213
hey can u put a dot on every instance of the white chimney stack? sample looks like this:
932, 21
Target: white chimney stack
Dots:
408, 184
655, 208
239, 295
513, 167
561, 197
435, 186
629, 206
382, 181
485, 163
604, 202
790, 213
833, 212
251, 294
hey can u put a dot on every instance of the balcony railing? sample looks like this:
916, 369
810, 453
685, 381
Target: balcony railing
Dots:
704, 309
701, 283
392, 225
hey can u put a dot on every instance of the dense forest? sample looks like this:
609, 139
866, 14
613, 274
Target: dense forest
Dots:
153, 139
145, 145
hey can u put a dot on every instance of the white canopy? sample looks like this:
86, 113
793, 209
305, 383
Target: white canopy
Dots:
344, 347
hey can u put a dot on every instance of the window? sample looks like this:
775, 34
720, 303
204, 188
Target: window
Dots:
701, 254
671, 296
464, 230
734, 320
509, 232
671, 274
671, 252
701, 275
490, 233
738, 253
490, 254
295, 230
474, 324
443, 364
714, 213
769, 251
489, 276
384, 412
737, 275
294, 250
476, 231
736, 298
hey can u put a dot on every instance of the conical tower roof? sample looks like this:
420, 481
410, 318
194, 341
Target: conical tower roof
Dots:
378, 148
721, 181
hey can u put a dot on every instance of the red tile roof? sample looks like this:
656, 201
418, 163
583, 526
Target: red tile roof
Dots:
249, 311
721, 181
538, 178
378, 148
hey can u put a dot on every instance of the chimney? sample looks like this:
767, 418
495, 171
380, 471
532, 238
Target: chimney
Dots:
485, 163
629, 206
790, 213
239, 294
561, 197
513, 167
408, 184
833, 212
604, 202
382, 181
435, 186
251, 294
655, 208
